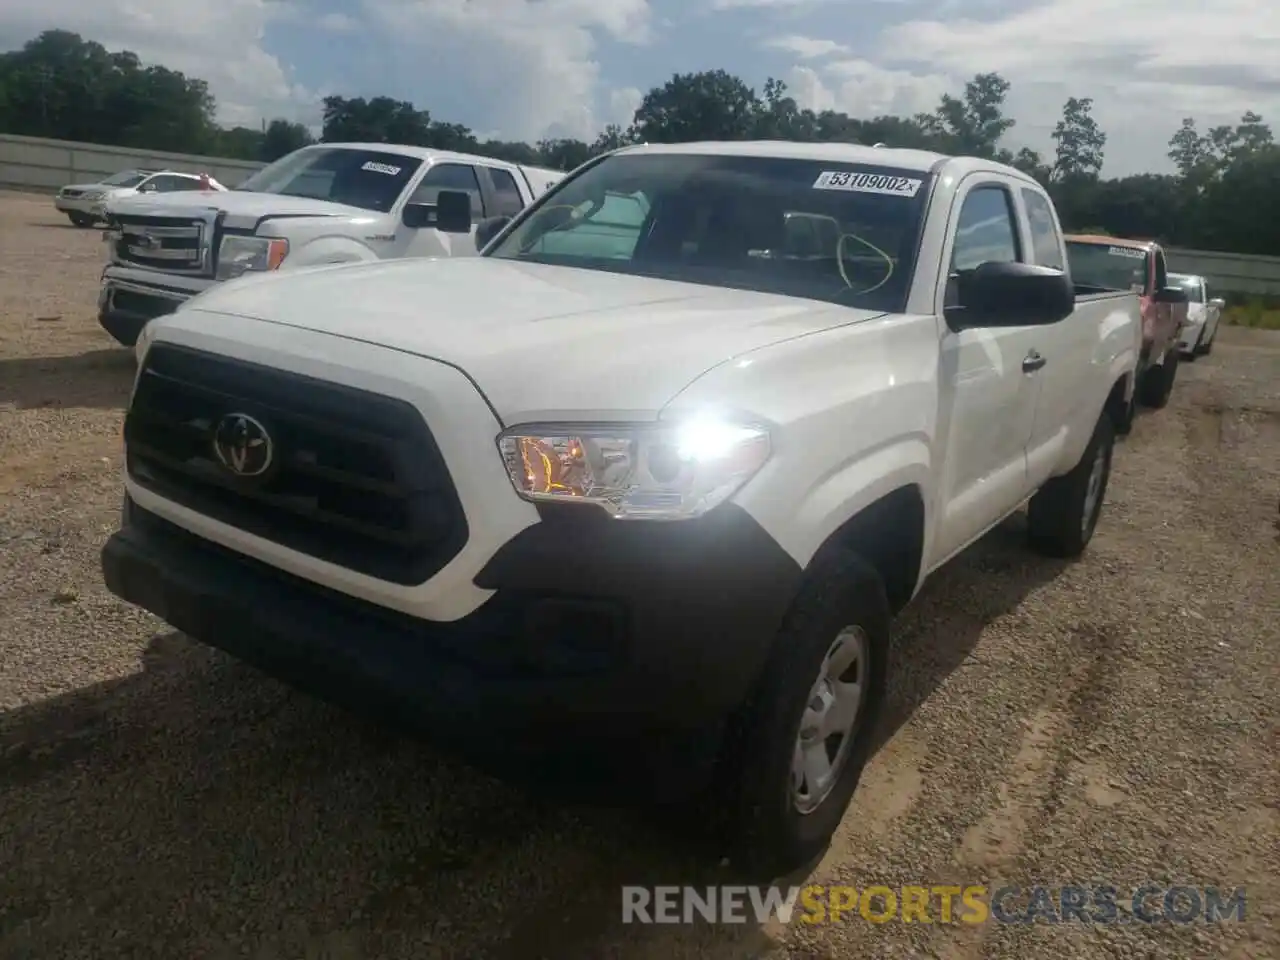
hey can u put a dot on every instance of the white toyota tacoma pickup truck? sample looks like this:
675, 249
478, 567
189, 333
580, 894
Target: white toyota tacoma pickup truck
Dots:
328, 203
630, 498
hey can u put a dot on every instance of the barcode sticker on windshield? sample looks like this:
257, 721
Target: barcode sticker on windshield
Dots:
381, 168
1133, 253
885, 184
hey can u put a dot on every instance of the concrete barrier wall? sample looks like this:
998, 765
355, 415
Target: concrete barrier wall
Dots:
1232, 273
32, 163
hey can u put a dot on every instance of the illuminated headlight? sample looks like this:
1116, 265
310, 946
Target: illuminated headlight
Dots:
640, 472
241, 255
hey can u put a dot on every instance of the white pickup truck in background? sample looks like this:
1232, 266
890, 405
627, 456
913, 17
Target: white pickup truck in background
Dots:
328, 203
630, 498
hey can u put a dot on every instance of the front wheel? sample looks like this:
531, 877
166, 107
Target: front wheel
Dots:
1064, 512
797, 752
80, 219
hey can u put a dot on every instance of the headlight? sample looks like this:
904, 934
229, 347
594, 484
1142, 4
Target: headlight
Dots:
92, 195
241, 255
641, 472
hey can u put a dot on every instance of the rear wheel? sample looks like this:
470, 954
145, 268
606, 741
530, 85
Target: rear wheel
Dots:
1064, 512
797, 752
1157, 383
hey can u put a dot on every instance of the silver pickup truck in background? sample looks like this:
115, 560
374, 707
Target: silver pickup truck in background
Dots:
327, 203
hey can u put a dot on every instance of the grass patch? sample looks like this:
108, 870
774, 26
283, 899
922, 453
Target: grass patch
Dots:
1255, 314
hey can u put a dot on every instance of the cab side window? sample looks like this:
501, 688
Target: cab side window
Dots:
450, 176
1046, 243
987, 232
1161, 271
508, 201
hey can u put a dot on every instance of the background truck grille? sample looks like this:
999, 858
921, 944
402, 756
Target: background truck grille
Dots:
164, 243
357, 478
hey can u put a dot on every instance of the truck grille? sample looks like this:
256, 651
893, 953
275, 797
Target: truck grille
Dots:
353, 478
164, 243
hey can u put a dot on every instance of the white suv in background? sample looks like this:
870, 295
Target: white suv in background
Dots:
85, 203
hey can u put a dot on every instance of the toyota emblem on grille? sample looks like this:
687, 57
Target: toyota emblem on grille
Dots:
242, 445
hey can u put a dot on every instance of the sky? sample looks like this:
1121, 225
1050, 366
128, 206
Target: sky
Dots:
525, 69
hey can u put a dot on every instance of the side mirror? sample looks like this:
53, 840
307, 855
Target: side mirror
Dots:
1217, 302
453, 212
489, 228
999, 294
418, 215
1173, 295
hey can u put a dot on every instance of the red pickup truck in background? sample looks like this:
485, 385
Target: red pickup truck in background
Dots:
1099, 263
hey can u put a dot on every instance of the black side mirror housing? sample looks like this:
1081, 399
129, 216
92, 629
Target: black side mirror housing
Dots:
999, 294
1172, 295
489, 228
415, 216
453, 211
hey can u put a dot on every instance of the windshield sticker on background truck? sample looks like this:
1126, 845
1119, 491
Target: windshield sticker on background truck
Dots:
881, 183
1132, 253
381, 168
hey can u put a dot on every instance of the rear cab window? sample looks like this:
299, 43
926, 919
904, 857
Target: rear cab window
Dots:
1046, 240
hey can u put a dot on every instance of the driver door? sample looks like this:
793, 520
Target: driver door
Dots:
988, 387
428, 241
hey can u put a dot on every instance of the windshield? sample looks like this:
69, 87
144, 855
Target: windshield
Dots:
1193, 286
1107, 267
822, 230
369, 179
126, 178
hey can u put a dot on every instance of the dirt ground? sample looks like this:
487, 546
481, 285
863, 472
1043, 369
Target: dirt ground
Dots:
1112, 721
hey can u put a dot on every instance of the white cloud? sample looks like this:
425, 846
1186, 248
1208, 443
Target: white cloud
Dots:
220, 42
337, 23
863, 89
529, 66
806, 48
623, 104
1146, 64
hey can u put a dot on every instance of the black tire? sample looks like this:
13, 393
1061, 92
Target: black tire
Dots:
1124, 423
1206, 348
80, 219
759, 824
1157, 383
1062, 516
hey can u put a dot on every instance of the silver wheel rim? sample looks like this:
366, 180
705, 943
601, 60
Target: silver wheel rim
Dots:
1093, 492
830, 721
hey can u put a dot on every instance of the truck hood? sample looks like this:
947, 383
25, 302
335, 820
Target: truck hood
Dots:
541, 342
243, 209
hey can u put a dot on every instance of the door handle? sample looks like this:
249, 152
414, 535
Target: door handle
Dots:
1033, 362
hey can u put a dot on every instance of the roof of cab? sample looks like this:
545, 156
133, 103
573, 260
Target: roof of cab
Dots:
917, 161
1109, 241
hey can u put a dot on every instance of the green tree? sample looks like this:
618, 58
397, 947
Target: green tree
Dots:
282, 137
1079, 142
972, 124
712, 105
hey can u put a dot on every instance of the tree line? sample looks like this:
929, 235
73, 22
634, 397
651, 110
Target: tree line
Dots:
1225, 194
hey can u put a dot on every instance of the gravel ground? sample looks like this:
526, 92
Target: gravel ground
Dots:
1109, 721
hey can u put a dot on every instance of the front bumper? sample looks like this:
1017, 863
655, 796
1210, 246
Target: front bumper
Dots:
126, 304
611, 654
79, 205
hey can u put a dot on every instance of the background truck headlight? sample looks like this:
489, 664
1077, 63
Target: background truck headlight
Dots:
636, 472
240, 255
